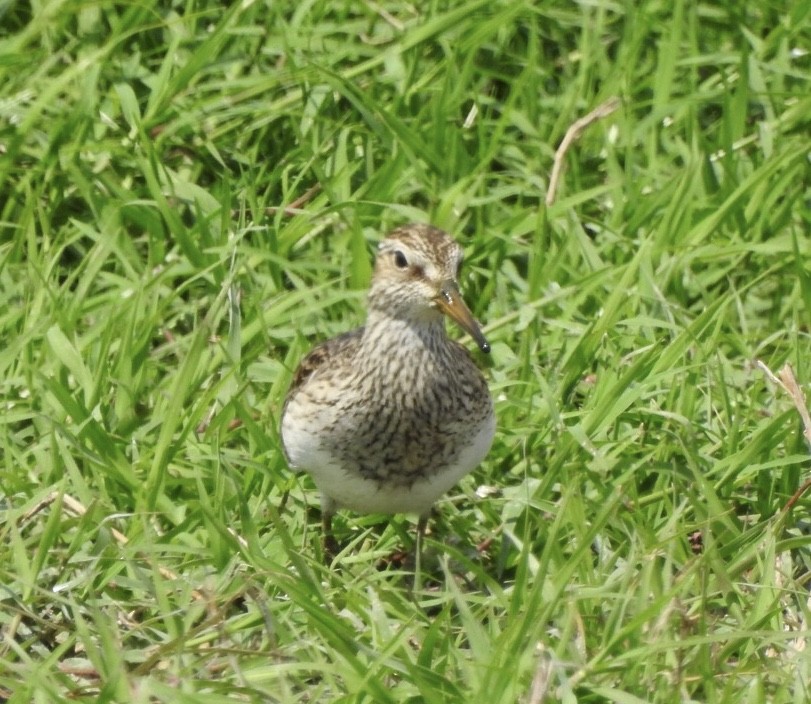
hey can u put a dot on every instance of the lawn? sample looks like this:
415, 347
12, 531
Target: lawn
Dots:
190, 198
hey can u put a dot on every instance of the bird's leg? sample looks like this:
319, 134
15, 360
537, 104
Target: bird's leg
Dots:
330, 545
422, 523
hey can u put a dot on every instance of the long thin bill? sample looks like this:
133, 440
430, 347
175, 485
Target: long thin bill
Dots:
451, 304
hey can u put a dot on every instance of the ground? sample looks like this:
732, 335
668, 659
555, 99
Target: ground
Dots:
191, 196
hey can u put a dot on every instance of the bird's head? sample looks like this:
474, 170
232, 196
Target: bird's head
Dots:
415, 277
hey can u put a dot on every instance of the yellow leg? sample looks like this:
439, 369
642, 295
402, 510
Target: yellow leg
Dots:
422, 523
329, 543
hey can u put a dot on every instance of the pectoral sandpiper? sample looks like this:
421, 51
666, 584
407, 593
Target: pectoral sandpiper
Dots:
389, 417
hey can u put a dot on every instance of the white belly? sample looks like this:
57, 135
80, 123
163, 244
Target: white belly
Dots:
351, 490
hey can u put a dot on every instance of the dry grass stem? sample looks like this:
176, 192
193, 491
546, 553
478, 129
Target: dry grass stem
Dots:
575, 130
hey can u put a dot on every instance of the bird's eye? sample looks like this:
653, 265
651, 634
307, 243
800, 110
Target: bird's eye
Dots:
400, 260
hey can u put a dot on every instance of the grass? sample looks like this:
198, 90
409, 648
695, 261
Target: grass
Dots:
191, 194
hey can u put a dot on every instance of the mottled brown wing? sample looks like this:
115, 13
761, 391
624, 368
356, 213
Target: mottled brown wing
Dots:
317, 358
321, 355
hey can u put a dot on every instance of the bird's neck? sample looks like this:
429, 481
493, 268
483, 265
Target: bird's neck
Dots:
385, 334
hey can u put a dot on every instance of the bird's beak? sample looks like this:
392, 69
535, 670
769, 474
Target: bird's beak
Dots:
451, 304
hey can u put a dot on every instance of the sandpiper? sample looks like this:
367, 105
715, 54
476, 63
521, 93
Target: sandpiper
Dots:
388, 417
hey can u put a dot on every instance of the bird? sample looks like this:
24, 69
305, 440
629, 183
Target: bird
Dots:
388, 417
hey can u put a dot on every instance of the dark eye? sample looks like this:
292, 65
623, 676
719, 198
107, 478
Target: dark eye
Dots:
400, 260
